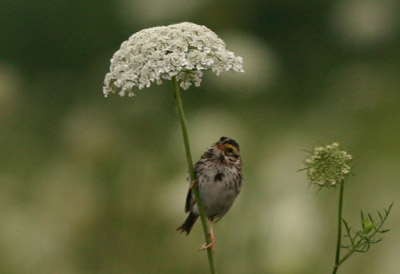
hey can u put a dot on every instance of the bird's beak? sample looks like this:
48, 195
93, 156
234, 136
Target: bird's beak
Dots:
220, 146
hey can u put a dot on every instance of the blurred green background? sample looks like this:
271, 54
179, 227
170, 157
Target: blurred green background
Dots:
95, 185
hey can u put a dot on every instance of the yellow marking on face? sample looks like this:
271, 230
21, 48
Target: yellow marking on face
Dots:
229, 146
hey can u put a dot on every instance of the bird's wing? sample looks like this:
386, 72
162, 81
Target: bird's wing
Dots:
190, 200
188, 204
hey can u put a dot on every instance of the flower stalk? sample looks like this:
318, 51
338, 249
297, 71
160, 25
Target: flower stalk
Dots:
339, 233
191, 173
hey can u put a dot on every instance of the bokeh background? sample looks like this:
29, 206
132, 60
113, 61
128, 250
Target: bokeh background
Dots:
97, 185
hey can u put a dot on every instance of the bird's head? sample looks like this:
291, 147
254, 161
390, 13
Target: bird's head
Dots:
227, 148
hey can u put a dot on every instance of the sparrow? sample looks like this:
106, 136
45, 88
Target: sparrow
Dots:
218, 176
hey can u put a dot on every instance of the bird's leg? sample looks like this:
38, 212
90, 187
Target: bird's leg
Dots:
195, 181
212, 238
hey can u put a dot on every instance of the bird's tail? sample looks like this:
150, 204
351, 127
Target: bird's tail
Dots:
188, 223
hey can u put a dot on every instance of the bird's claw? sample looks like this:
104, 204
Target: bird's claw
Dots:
210, 245
195, 181
205, 246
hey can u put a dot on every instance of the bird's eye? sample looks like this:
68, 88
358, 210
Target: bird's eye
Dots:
230, 150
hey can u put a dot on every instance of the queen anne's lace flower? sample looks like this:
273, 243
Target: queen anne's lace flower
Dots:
183, 50
327, 166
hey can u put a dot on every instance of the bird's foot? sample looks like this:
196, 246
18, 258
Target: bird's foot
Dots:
193, 183
210, 245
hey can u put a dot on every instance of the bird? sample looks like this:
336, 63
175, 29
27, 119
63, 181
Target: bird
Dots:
218, 176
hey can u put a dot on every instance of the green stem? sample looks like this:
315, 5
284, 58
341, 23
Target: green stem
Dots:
192, 175
339, 234
349, 253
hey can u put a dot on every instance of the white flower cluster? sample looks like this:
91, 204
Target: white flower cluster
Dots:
183, 50
326, 166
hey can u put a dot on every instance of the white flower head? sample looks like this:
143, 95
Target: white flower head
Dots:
327, 166
183, 50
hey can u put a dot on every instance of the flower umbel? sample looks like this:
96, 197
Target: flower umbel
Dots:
327, 166
182, 50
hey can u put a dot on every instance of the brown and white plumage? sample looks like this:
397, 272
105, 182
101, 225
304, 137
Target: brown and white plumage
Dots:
219, 181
